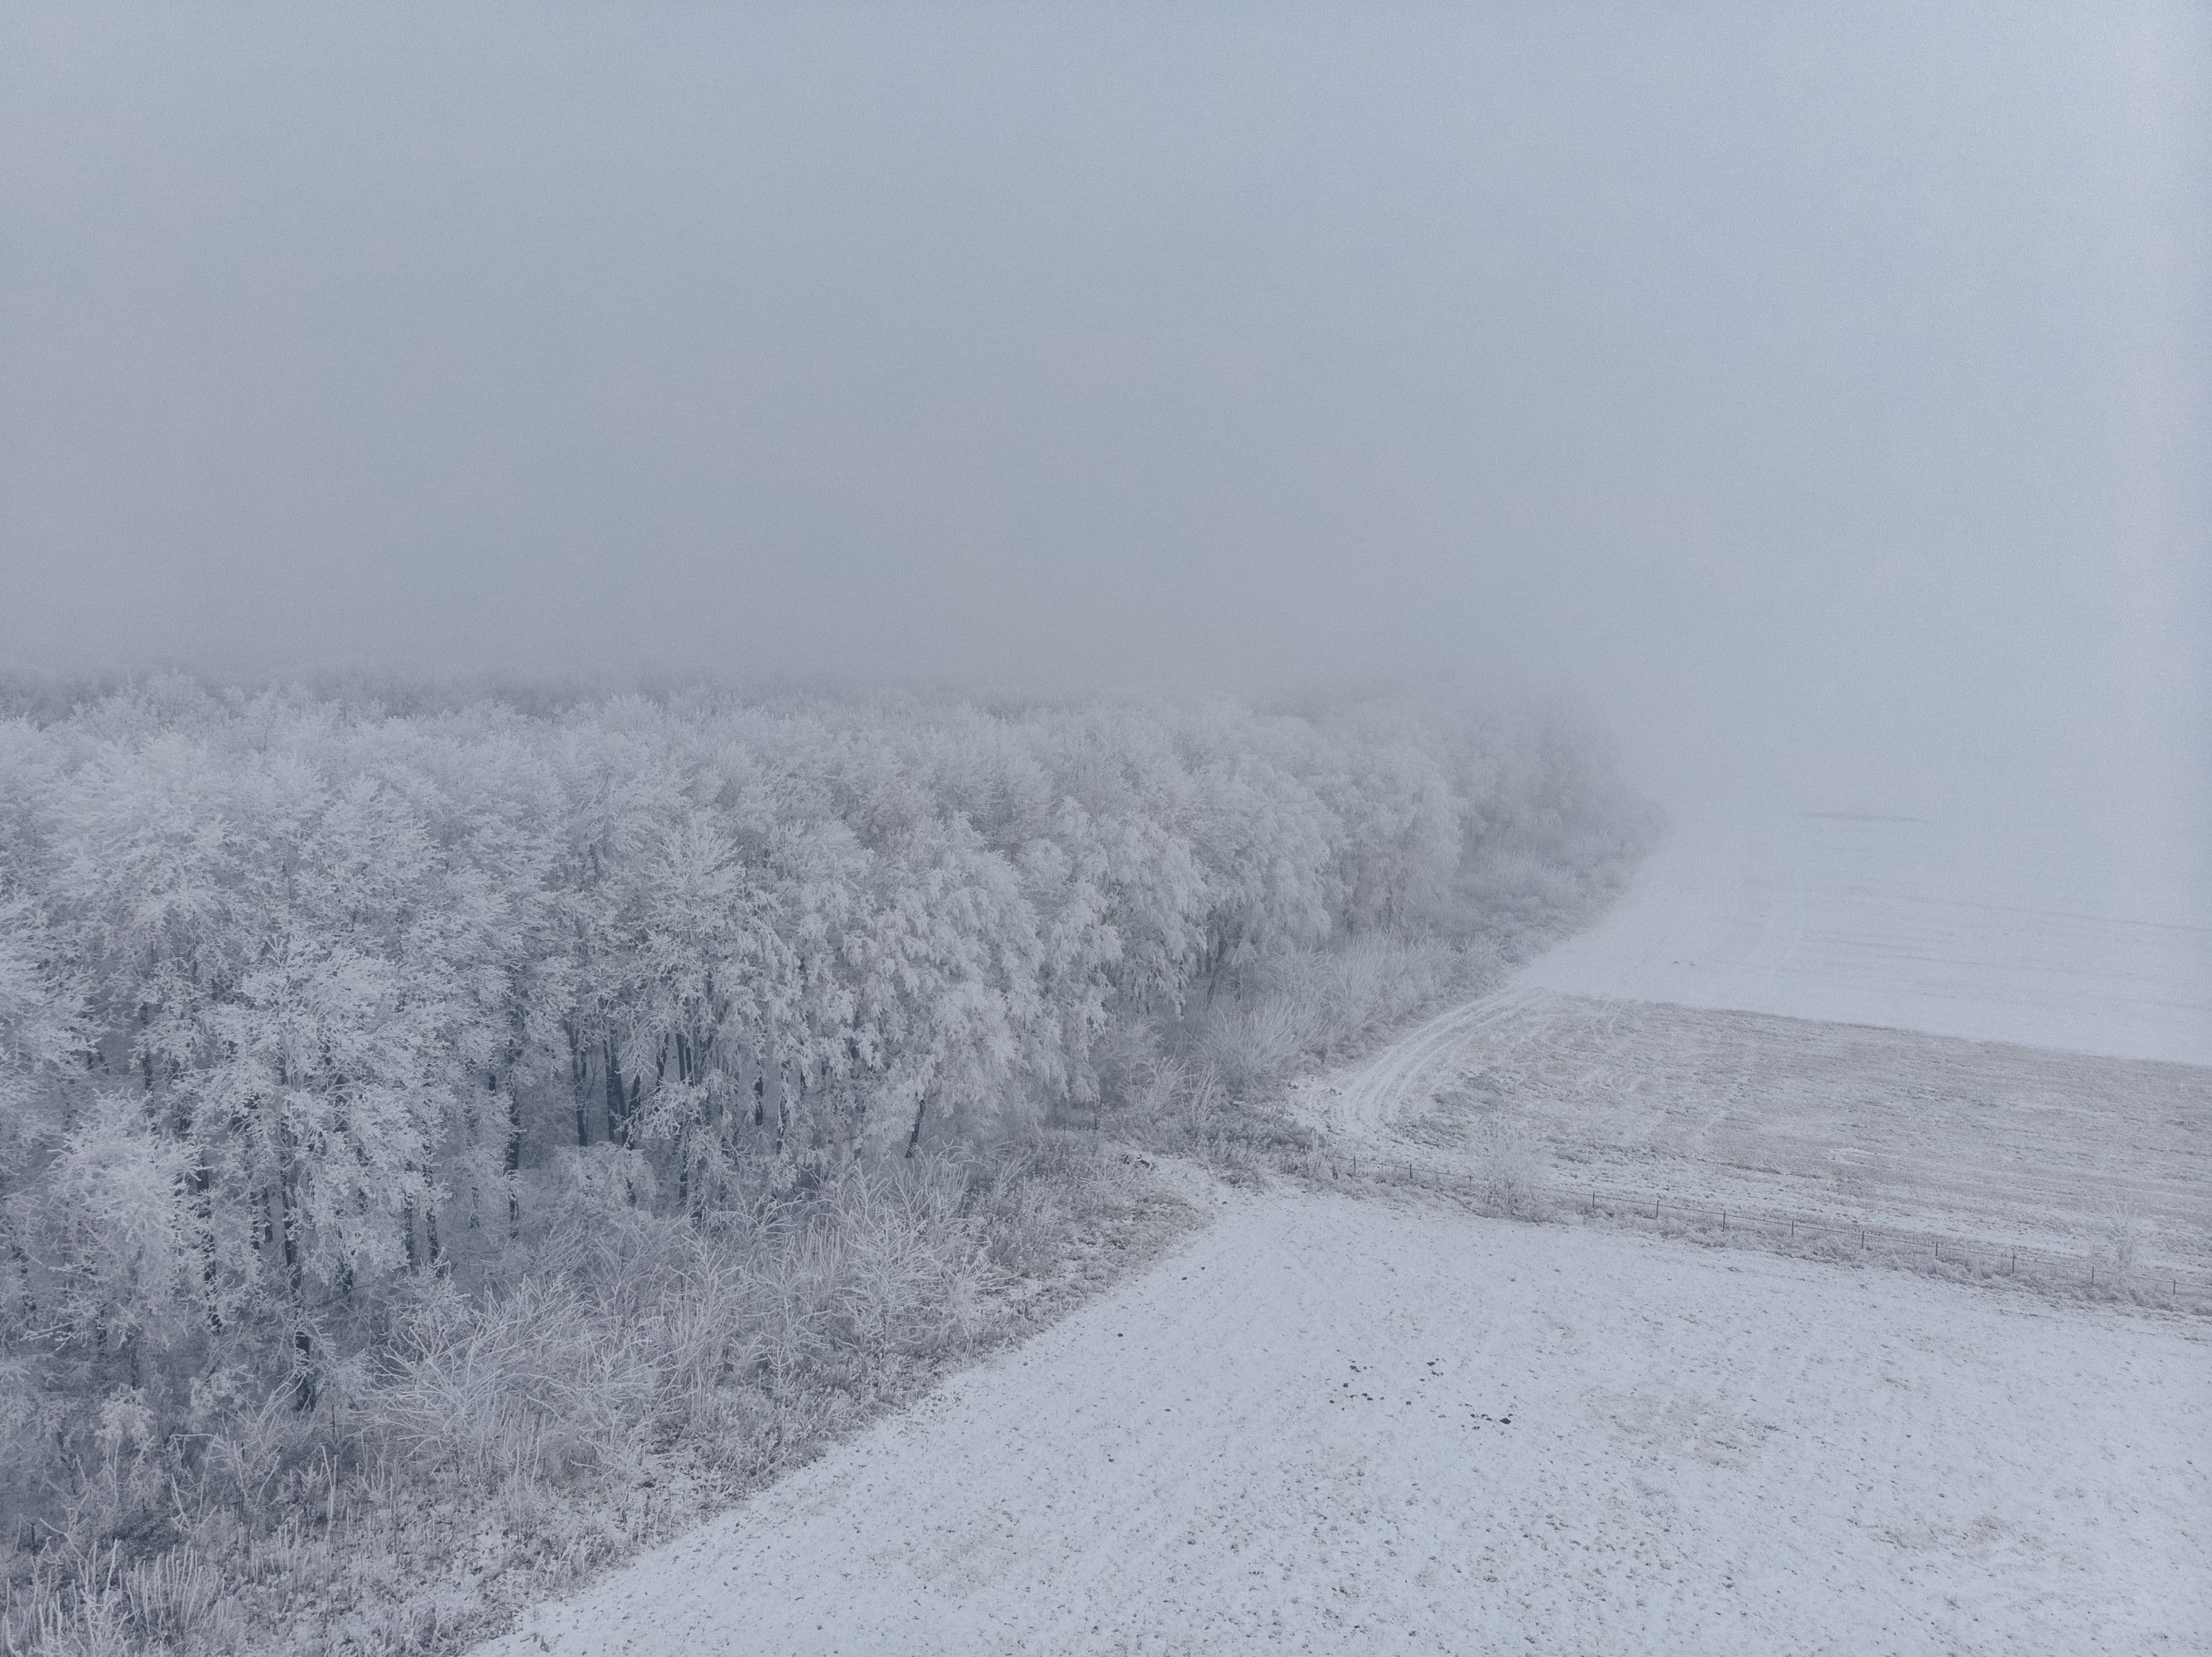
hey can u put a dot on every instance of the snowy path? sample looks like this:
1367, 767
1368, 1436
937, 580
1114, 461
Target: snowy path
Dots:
1331, 1424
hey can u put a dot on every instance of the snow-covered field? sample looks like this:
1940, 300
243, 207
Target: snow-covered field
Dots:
1649, 1060
2004, 1154
1952, 928
1335, 1425
1339, 1423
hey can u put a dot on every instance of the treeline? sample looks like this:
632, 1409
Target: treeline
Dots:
304, 998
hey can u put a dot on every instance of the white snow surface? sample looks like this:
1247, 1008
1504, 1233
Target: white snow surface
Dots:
1989, 1153
1335, 1425
1948, 927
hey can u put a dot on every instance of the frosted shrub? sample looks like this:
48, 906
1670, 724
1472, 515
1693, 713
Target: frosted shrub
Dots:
1251, 1045
527, 1382
1305, 1007
2118, 1242
1514, 1173
122, 1261
910, 1261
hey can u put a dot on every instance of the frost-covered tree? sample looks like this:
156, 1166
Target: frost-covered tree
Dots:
315, 1005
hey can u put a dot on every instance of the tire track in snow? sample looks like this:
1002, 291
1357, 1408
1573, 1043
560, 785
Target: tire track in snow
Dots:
1374, 1096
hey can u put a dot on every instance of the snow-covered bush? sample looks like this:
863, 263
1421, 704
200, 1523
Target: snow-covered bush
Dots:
2119, 1239
1513, 1173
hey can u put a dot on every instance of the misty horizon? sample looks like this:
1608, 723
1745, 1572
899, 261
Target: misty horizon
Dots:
1820, 403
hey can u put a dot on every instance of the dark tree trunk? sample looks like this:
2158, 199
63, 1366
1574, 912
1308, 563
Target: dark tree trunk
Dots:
513, 1162
200, 1183
303, 1346
618, 1117
579, 1077
289, 1233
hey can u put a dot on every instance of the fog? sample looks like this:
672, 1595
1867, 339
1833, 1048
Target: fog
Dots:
1818, 395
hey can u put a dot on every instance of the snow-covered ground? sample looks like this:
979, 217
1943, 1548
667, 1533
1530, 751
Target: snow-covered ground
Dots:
1949, 927
2003, 1153
1334, 1424
1649, 1060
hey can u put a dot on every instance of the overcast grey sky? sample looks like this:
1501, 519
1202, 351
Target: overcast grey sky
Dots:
1820, 391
